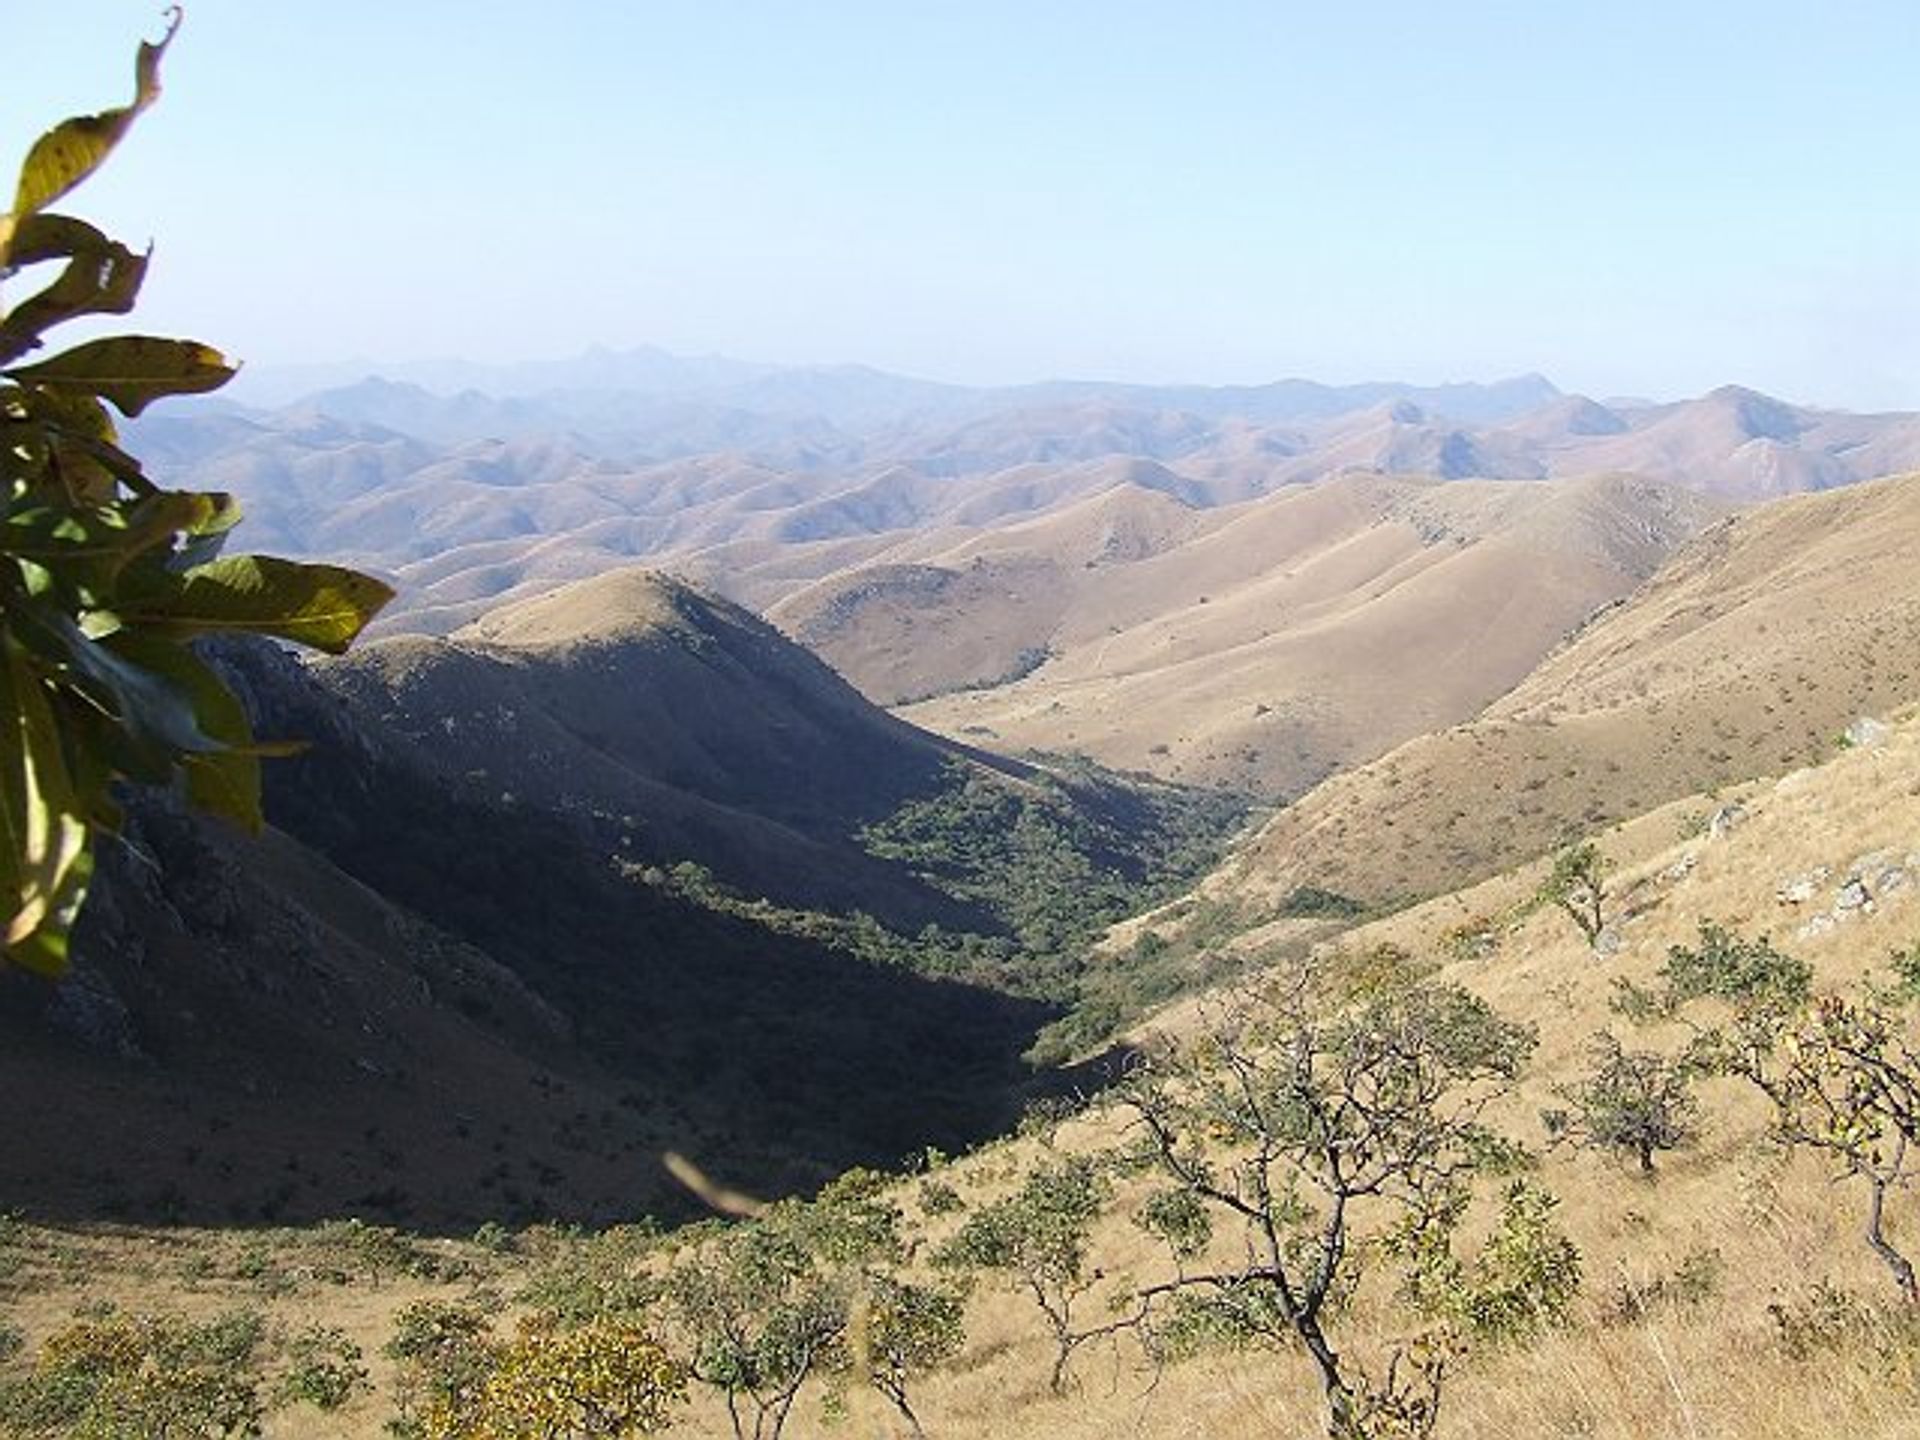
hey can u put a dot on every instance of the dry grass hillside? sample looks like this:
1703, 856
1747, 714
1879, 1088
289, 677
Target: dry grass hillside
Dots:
1728, 1298
1260, 646
1749, 653
761, 483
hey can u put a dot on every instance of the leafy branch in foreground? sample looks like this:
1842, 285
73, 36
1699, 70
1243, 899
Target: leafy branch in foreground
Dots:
105, 578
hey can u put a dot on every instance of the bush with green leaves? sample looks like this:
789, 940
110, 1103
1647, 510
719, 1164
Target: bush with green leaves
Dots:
1035, 1241
1635, 1102
134, 1376
1523, 1279
768, 1304
106, 579
609, 1272
1751, 977
1842, 1073
605, 1378
899, 1330
1305, 1116
442, 1353
322, 1367
1576, 886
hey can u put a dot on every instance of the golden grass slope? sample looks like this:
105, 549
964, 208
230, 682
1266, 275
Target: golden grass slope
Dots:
1749, 652
1261, 646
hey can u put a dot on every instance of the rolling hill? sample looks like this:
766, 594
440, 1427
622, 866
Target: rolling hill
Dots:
1749, 653
758, 481
1260, 646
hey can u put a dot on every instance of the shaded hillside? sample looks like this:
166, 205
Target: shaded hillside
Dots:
670, 726
620, 874
1749, 653
1259, 646
430, 1009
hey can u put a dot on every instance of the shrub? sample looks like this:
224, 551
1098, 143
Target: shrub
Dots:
1035, 1240
1576, 885
1634, 1101
323, 1368
605, 1378
127, 1377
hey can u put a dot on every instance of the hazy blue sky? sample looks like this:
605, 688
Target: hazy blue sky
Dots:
1630, 197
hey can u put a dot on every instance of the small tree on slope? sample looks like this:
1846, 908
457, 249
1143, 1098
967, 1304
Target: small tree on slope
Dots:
1308, 1121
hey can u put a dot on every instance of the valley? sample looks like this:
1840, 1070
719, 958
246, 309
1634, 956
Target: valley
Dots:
785, 784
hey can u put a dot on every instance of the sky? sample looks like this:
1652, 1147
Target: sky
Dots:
1631, 198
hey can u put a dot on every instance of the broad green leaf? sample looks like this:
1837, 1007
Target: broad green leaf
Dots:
73, 149
322, 606
132, 371
113, 535
156, 718
102, 277
46, 862
223, 782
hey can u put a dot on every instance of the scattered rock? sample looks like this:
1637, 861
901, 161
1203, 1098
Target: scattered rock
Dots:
1853, 896
1799, 889
1868, 864
1818, 925
1867, 732
1893, 880
1725, 821
1607, 943
1680, 868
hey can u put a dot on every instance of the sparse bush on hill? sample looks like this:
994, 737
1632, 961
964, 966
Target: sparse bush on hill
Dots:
810, 1289
605, 1376
442, 1354
1843, 1075
607, 1379
1307, 1118
121, 1376
1635, 1101
1523, 1279
1576, 885
322, 1368
1035, 1241
899, 1331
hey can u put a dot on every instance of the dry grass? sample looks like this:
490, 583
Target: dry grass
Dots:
1710, 1368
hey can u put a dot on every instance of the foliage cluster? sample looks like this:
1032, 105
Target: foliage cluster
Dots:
106, 579
1047, 864
116, 1376
1635, 1101
1576, 885
1842, 1073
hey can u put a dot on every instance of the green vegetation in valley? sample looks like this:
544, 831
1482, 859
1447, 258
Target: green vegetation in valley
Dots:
1049, 860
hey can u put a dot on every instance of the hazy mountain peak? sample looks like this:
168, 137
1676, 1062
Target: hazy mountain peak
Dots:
1760, 417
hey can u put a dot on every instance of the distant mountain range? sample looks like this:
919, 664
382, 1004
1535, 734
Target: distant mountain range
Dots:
474, 485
